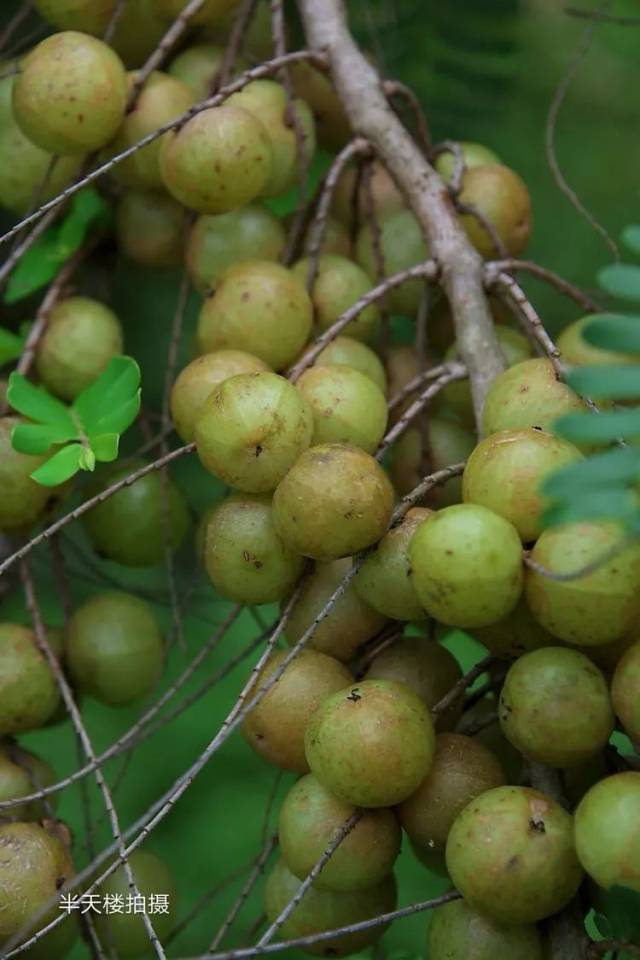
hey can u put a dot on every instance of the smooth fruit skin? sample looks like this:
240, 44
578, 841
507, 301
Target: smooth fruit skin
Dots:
22, 773
595, 609
199, 379
29, 695
350, 622
347, 407
335, 501
276, 727
216, 243
510, 853
338, 285
437, 443
351, 353
625, 691
466, 566
22, 500
126, 932
131, 526
555, 707
242, 165
260, 307
457, 932
518, 633
80, 339
150, 228
505, 473
198, 67
211, 12
88, 16
403, 246
75, 109
317, 90
607, 831
528, 395
371, 744
138, 32
336, 240
252, 429
575, 351
244, 557
380, 190
323, 910
475, 155
310, 817
502, 196
114, 648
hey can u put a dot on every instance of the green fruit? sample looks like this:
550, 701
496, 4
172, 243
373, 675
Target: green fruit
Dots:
131, 526
528, 395
336, 239
466, 566
114, 649
502, 197
518, 633
625, 691
371, 744
350, 623
348, 352
457, 932
324, 910
125, 932
266, 100
335, 501
150, 228
506, 471
510, 853
244, 556
381, 194
138, 32
338, 285
575, 350
22, 773
252, 429
22, 500
475, 155
199, 379
607, 831
217, 243
260, 307
555, 707
403, 246
310, 817
211, 12
198, 68
88, 16
77, 109
80, 339
347, 407
317, 90
242, 165
29, 695
427, 668
436, 444
276, 727
598, 608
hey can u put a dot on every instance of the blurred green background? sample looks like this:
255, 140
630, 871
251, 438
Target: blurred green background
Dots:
485, 70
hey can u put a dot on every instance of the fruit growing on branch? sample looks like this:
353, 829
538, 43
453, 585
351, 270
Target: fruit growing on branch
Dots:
347, 407
29, 695
150, 228
607, 834
339, 284
457, 932
22, 773
625, 691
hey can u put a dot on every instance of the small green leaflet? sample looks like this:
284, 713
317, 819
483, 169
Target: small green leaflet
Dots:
11, 346
614, 331
620, 917
621, 280
86, 432
630, 236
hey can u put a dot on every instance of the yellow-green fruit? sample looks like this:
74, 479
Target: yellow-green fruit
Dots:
244, 557
345, 351
338, 285
371, 744
316, 89
199, 379
138, 32
462, 769
502, 197
607, 831
252, 429
555, 707
260, 307
576, 351
601, 607
511, 855
22, 500
276, 727
23, 773
162, 99
216, 243
114, 649
29, 695
466, 566
198, 67
80, 339
322, 910
336, 239
88, 16
625, 691
335, 501
376, 189
266, 100
150, 228
347, 407
457, 932
403, 246
310, 817
211, 11
528, 395
475, 155
518, 633
126, 932
383, 581
77, 109
241, 164
351, 621
506, 470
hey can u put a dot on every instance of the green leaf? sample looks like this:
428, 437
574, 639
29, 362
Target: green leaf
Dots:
614, 467
607, 504
614, 331
630, 236
112, 402
621, 280
35, 269
603, 925
36, 404
38, 438
105, 446
598, 427
11, 346
60, 467
88, 460
87, 209
612, 381
622, 907
120, 419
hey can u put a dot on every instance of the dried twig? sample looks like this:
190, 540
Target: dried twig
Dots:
530, 266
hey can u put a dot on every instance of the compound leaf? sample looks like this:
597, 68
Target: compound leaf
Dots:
614, 331
60, 467
621, 280
598, 427
35, 403
612, 381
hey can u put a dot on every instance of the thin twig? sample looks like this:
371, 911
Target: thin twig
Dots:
113, 21
395, 88
418, 381
164, 48
530, 266
259, 863
237, 35
16, 20
514, 292
461, 685
602, 17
